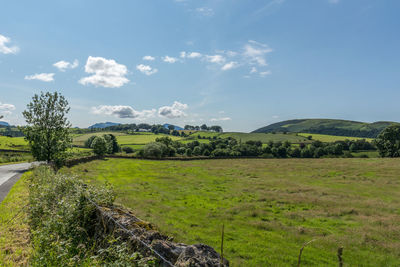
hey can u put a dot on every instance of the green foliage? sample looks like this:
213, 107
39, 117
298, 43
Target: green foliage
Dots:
99, 146
155, 150
62, 223
127, 149
106, 144
89, 141
47, 129
388, 142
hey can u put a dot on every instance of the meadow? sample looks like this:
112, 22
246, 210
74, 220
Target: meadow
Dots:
13, 143
270, 207
332, 138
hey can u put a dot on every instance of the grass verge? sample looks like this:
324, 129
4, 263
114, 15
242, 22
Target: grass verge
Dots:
15, 248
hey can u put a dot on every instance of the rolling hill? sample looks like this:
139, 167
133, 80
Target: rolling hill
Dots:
328, 126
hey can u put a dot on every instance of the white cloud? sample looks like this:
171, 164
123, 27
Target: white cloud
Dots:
4, 49
63, 65
230, 65
221, 119
45, 77
194, 55
265, 73
184, 54
6, 108
215, 59
175, 111
107, 73
169, 59
253, 70
123, 112
149, 58
255, 52
205, 11
146, 69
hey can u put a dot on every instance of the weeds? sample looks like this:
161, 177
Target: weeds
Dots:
63, 222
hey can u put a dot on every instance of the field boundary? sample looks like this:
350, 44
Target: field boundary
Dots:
16, 151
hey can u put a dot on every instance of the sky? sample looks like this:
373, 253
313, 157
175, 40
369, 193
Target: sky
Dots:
241, 64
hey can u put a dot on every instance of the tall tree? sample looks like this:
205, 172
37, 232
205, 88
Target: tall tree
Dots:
388, 142
47, 129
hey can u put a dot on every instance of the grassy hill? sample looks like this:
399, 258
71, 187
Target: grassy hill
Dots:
328, 126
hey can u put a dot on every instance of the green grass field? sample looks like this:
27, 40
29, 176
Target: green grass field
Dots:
14, 157
270, 207
14, 230
332, 138
265, 138
13, 143
136, 140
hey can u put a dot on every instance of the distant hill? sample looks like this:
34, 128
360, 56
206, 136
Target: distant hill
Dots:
328, 126
103, 125
176, 127
3, 123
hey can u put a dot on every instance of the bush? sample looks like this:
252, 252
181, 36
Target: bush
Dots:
188, 152
155, 150
62, 223
206, 153
127, 149
388, 142
88, 142
197, 151
99, 146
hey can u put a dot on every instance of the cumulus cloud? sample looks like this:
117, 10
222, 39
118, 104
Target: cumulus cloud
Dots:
146, 69
190, 55
4, 48
45, 77
175, 111
6, 108
205, 11
253, 70
221, 119
215, 59
255, 52
194, 55
149, 58
265, 73
64, 65
230, 65
123, 112
106, 73
169, 59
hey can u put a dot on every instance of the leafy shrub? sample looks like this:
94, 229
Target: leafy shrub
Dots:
127, 149
197, 151
88, 142
155, 150
62, 222
188, 152
388, 142
99, 146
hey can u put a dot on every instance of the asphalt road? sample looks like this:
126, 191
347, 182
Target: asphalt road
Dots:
9, 175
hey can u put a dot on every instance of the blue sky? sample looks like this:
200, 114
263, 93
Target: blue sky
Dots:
238, 64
